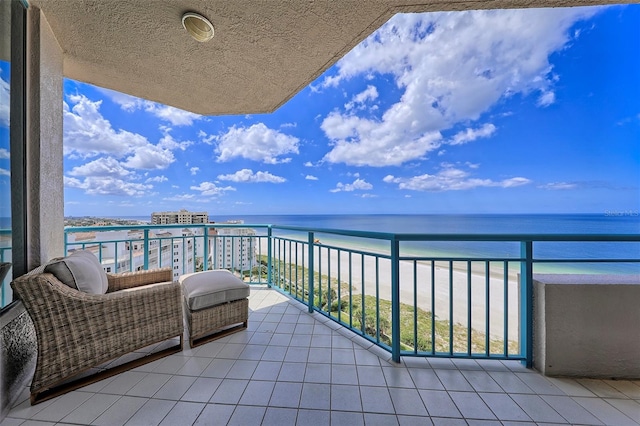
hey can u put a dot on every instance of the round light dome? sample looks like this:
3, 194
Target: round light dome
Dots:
197, 26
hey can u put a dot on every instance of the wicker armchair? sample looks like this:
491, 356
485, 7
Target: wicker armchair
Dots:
77, 331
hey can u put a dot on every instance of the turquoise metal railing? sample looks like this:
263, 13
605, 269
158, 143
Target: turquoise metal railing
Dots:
471, 306
407, 301
5, 256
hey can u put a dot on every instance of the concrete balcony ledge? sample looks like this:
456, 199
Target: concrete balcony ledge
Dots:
587, 325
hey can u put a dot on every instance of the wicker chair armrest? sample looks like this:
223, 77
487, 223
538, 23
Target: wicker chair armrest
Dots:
126, 280
77, 331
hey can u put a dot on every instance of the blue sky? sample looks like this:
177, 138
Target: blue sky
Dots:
506, 111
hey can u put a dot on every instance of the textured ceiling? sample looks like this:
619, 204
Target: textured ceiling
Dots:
262, 54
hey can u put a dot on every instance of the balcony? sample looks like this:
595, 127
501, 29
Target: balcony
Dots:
295, 367
349, 326
344, 330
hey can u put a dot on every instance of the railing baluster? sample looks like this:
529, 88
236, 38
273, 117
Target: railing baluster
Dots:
362, 323
146, 249
433, 307
451, 308
311, 262
297, 268
487, 300
506, 307
378, 299
395, 300
329, 280
415, 306
469, 308
526, 300
339, 286
269, 257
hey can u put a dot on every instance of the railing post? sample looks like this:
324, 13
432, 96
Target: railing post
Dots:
66, 242
311, 269
146, 249
205, 260
526, 302
395, 300
269, 255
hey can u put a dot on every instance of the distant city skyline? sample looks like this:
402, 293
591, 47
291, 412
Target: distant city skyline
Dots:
502, 111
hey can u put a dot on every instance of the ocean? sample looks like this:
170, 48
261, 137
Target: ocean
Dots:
606, 223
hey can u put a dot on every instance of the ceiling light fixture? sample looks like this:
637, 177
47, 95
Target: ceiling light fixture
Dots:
197, 26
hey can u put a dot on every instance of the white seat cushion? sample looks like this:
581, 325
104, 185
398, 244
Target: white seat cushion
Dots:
210, 288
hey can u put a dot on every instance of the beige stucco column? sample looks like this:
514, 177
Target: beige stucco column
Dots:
45, 186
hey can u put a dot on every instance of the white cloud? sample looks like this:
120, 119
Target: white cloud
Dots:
4, 154
168, 142
210, 188
308, 164
5, 172
105, 166
559, 185
158, 179
107, 185
365, 142
150, 157
469, 135
546, 98
205, 138
285, 125
358, 101
175, 116
181, 197
247, 175
258, 143
194, 170
451, 67
87, 133
451, 179
310, 177
358, 184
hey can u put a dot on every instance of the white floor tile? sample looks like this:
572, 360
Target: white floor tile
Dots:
183, 414
151, 413
214, 415
120, 412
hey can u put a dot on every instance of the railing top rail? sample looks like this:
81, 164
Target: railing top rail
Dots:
468, 237
71, 229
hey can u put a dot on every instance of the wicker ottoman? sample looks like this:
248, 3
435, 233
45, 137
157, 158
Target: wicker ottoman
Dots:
216, 304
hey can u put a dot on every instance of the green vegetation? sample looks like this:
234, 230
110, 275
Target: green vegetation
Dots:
377, 314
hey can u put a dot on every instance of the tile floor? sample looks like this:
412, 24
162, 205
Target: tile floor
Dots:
291, 367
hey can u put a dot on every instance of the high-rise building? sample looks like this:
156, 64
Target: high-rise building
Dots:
182, 217
233, 248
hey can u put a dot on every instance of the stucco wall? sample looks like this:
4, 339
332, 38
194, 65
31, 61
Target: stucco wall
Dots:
45, 215
587, 325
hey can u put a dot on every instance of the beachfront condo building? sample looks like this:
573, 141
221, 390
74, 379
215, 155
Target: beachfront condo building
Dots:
233, 248
181, 217
181, 249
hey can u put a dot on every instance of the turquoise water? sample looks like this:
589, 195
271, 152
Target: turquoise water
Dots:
482, 224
